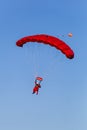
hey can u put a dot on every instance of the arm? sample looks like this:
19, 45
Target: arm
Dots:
35, 81
39, 85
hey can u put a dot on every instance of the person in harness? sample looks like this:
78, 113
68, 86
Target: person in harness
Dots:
37, 85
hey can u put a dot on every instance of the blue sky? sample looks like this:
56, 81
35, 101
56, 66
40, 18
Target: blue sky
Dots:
62, 100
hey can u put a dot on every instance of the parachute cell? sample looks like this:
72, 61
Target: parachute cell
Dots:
50, 40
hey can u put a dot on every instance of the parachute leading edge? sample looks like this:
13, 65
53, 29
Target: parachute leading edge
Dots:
50, 40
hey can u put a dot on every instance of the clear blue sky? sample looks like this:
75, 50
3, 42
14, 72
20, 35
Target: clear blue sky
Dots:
62, 100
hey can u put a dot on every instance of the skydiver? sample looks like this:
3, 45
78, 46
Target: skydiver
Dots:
37, 86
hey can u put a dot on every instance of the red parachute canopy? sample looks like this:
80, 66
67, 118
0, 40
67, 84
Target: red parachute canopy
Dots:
50, 40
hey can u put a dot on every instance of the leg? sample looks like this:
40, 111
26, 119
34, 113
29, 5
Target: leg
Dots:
33, 92
36, 92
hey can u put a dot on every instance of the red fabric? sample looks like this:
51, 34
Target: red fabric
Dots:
51, 40
39, 78
36, 89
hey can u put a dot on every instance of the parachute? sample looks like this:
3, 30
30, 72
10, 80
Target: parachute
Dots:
70, 34
50, 40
